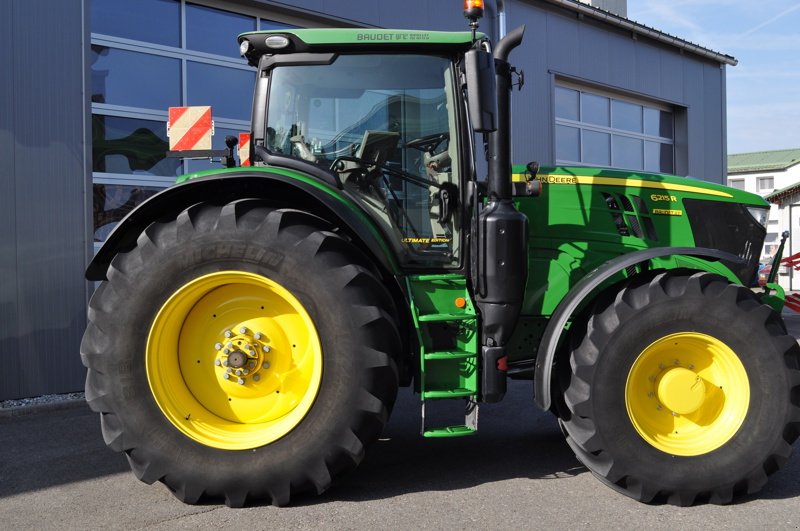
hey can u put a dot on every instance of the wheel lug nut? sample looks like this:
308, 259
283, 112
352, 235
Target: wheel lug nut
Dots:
229, 345
225, 363
243, 330
229, 370
252, 365
228, 334
246, 372
266, 348
217, 346
256, 377
259, 335
217, 363
226, 375
240, 381
266, 365
238, 372
226, 351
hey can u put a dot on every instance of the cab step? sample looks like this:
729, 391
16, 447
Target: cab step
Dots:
447, 329
449, 431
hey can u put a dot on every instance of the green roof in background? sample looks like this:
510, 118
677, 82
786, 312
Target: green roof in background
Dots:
758, 161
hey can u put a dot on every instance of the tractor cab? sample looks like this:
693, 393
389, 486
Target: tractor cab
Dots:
386, 125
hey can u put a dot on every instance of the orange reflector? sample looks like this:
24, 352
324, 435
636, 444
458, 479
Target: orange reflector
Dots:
461, 302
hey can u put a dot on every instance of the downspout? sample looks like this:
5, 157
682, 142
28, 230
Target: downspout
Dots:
501, 19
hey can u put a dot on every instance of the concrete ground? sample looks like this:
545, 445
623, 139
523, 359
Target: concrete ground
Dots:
516, 473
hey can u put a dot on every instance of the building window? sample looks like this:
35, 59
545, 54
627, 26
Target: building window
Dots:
606, 130
147, 56
765, 184
736, 183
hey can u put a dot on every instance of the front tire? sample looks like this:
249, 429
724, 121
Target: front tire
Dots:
683, 388
242, 353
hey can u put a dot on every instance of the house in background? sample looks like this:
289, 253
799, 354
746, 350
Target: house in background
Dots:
774, 175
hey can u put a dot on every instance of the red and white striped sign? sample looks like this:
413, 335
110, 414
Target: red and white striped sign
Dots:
244, 149
190, 128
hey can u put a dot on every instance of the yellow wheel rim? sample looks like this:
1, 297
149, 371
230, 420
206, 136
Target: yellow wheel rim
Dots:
234, 360
687, 394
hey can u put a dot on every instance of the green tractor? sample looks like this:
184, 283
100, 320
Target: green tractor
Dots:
252, 325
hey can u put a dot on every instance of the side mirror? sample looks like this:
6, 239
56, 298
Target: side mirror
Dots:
481, 90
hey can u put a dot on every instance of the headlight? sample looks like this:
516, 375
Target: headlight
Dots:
244, 47
761, 215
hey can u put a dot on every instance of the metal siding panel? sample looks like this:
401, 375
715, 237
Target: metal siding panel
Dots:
532, 119
314, 5
50, 191
622, 61
648, 69
361, 10
9, 375
695, 124
672, 75
563, 50
412, 14
714, 142
594, 53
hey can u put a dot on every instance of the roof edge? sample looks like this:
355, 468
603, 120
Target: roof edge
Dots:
647, 31
777, 195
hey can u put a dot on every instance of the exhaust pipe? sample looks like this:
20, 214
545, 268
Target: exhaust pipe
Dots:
502, 240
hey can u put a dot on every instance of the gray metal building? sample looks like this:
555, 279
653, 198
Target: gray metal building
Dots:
87, 83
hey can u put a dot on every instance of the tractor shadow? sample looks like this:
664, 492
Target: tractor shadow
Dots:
515, 440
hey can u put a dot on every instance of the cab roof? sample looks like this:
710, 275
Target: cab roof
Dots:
334, 40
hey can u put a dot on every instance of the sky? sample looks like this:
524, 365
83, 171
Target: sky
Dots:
763, 90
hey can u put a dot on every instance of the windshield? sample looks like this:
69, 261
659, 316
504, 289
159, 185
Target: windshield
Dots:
386, 124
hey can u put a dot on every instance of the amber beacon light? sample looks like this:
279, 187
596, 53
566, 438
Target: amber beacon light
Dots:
473, 9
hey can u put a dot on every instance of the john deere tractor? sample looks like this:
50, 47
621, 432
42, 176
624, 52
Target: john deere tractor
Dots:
252, 325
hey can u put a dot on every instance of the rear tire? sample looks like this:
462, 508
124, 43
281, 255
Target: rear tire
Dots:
316, 325
684, 388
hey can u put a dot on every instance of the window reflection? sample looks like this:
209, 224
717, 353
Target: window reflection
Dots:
658, 123
568, 143
156, 21
131, 146
626, 116
658, 157
137, 53
596, 148
567, 103
117, 78
627, 153
594, 109
229, 91
112, 202
601, 130
214, 30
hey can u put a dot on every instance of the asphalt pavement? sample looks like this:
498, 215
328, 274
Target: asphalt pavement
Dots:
516, 473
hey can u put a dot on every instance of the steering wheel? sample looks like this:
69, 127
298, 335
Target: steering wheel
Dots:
428, 143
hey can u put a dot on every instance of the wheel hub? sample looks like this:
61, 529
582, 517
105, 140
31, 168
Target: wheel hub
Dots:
242, 356
681, 390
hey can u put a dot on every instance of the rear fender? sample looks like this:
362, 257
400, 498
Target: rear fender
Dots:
278, 187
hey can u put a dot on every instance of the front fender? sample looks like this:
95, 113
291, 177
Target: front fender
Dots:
555, 326
283, 188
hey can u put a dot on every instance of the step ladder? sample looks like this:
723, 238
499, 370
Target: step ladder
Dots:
447, 326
